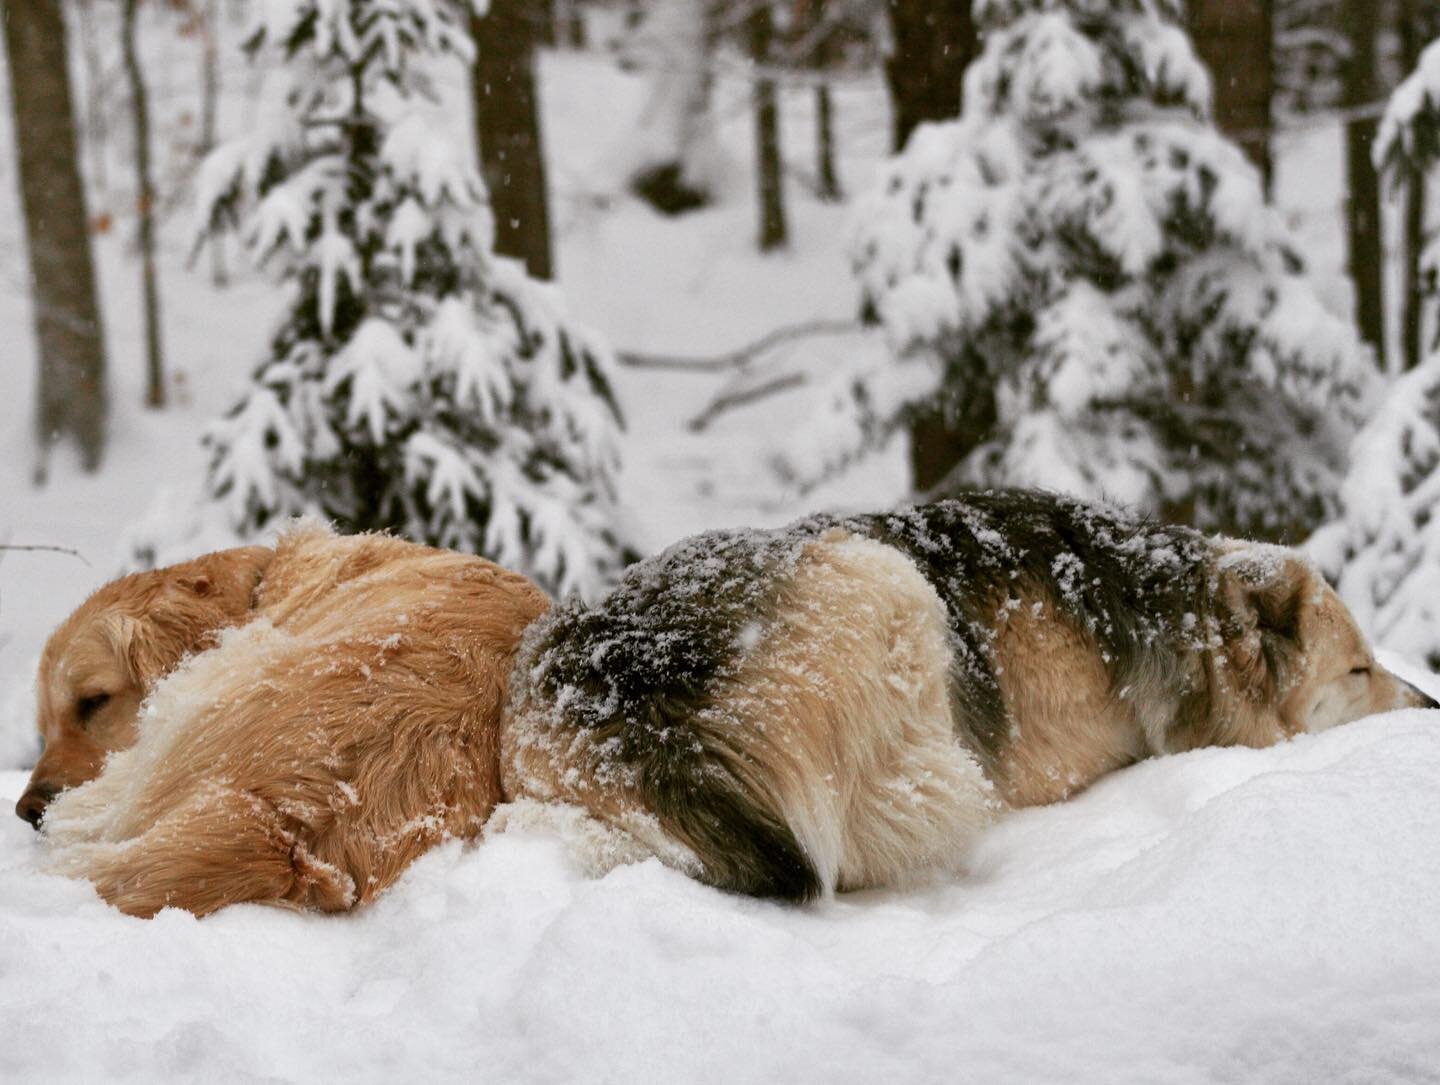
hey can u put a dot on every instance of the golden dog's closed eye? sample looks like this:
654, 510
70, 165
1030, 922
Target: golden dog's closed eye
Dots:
86, 707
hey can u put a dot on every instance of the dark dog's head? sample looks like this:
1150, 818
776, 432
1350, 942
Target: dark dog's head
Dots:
1294, 648
103, 660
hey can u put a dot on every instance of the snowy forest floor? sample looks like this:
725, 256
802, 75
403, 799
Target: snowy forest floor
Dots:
1219, 916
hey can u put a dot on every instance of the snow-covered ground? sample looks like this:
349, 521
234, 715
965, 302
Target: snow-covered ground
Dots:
1225, 915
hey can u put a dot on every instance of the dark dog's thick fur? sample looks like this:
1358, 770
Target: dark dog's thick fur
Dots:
842, 703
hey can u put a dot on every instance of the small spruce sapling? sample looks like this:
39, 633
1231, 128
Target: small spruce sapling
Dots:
418, 383
1384, 551
1083, 272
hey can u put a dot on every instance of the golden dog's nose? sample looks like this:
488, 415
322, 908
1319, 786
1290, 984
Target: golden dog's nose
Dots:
31, 806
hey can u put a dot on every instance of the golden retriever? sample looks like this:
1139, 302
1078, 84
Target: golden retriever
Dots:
310, 719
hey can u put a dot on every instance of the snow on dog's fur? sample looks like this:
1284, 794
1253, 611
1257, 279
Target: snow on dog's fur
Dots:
305, 756
843, 703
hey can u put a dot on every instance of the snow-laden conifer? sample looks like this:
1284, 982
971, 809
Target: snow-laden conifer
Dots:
418, 383
1384, 551
1085, 272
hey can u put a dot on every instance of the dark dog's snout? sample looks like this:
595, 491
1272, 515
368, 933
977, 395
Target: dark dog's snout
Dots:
31, 806
1419, 698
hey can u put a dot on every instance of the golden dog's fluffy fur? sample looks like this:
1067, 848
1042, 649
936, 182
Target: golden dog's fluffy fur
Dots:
336, 713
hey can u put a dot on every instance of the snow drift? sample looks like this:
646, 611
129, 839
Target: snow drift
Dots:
1223, 914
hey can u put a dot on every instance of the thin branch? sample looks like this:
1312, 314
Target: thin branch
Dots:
738, 359
721, 404
46, 549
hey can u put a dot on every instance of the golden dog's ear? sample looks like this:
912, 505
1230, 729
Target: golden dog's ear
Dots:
131, 648
1261, 593
227, 575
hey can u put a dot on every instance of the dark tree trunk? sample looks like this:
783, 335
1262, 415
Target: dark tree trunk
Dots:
768, 165
1412, 40
938, 442
67, 319
827, 177
828, 184
209, 122
1363, 210
507, 128
1235, 40
934, 43
145, 206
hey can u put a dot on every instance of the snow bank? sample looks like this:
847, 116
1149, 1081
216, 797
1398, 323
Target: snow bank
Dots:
1225, 914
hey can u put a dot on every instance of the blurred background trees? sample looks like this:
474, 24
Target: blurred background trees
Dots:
1070, 222
71, 401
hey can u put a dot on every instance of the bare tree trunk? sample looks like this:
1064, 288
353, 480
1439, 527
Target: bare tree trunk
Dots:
507, 128
67, 319
1361, 18
145, 206
1235, 40
768, 165
827, 178
209, 118
1412, 319
934, 43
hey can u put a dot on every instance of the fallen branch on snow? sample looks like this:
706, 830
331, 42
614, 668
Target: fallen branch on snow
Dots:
740, 358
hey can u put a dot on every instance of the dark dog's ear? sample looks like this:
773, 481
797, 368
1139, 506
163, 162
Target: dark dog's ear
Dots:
1261, 593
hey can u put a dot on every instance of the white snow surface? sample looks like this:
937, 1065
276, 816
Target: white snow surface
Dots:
1219, 915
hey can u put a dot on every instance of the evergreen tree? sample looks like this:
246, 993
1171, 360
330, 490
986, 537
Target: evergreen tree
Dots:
1385, 552
1082, 271
418, 383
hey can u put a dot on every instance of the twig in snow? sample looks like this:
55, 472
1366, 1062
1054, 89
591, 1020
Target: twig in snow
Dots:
738, 359
720, 404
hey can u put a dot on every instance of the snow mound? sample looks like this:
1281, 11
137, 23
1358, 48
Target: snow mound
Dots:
1224, 914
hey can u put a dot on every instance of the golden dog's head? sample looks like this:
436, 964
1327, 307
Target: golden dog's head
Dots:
1294, 649
103, 660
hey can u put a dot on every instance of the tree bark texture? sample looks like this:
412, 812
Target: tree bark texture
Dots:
827, 177
933, 45
72, 400
1412, 315
768, 164
1361, 19
507, 128
1235, 40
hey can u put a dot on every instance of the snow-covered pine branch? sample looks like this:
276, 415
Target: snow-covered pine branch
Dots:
1084, 271
1384, 550
419, 383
